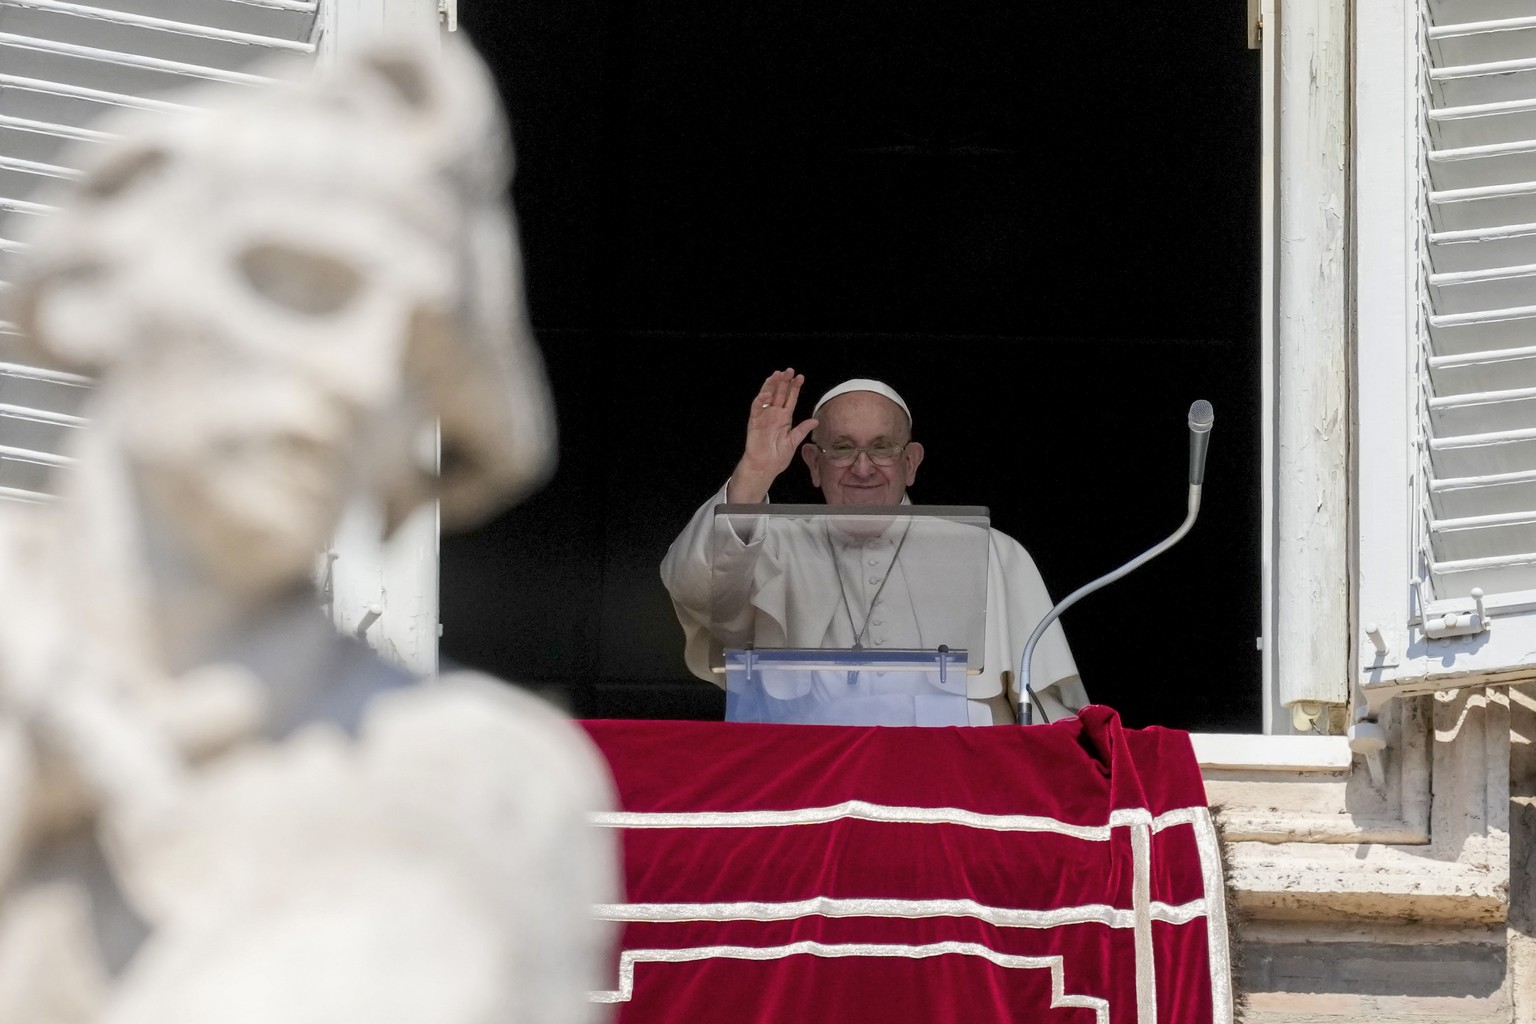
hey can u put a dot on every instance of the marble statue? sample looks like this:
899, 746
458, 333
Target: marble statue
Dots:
213, 806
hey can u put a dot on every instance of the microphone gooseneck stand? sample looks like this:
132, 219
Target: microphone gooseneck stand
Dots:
1200, 420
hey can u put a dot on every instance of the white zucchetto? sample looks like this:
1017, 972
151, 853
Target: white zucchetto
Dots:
862, 384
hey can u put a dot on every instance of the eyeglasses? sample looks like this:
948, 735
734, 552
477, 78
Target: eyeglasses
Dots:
883, 454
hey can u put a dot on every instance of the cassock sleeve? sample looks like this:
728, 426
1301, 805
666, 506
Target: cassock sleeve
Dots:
712, 603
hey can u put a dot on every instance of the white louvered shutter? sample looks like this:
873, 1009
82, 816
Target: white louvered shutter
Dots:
63, 66
1476, 331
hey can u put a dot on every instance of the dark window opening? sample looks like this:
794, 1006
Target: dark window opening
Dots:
1040, 223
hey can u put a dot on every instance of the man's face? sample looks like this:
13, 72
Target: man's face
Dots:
861, 419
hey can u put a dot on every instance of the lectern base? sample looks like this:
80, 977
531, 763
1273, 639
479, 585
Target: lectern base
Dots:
820, 687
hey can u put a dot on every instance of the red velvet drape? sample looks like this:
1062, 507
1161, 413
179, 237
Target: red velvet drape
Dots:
780, 874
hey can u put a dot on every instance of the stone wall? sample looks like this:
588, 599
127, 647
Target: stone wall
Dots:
1386, 893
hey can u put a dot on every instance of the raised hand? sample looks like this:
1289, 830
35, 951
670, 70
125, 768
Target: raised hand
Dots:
773, 438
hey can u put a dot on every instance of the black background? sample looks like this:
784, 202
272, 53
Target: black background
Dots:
1039, 222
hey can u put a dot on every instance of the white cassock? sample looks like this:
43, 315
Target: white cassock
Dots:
804, 589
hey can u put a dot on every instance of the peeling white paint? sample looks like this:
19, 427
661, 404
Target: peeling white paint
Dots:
1310, 451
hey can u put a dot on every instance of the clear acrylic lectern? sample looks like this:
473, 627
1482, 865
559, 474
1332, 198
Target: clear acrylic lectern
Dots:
849, 615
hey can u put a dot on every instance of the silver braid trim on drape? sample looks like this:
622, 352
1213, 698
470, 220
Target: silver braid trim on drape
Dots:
1059, 996
1139, 917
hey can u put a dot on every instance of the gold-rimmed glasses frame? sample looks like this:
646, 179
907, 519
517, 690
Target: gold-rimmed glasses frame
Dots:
880, 454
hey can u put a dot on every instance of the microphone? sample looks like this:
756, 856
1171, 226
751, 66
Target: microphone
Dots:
1200, 419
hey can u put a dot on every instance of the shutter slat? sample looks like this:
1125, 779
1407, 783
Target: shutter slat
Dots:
22, 206
94, 67
36, 167
39, 436
1483, 124
19, 90
284, 19
18, 375
18, 494
51, 130
1470, 291
33, 456
1474, 166
41, 18
1485, 371
1482, 412
1446, 13
1488, 454
1483, 42
1458, 497
20, 471
1476, 84
1503, 572
26, 181
1502, 245
1486, 206
48, 416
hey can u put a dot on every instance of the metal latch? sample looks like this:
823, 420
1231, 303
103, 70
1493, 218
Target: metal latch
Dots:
1437, 627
